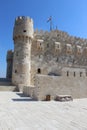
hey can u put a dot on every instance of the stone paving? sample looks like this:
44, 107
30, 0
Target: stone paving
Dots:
22, 113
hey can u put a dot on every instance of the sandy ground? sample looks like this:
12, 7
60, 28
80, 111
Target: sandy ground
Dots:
21, 113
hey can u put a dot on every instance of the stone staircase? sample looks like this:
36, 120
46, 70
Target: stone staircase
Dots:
6, 85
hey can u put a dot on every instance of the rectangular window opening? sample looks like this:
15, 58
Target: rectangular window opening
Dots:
80, 74
16, 53
86, 74
74, 74
47, 45
67, 73
24, 31
15, 71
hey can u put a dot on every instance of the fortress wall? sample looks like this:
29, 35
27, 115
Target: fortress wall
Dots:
75, 86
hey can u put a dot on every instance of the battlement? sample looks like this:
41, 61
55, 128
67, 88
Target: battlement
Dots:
23, 18
9, 52
60, 36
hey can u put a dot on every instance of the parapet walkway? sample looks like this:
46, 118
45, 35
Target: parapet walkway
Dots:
22, 113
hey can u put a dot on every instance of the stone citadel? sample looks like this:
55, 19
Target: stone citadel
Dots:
47, 63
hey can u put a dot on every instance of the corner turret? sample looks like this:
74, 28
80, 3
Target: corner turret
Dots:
9, 60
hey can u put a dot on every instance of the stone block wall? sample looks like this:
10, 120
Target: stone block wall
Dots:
74, 85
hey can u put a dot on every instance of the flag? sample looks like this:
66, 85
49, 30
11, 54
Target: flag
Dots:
49, 19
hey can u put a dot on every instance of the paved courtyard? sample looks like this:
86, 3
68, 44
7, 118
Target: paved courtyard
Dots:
21, 113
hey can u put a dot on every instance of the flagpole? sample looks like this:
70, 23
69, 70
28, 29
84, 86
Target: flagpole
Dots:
50, 21
51, 24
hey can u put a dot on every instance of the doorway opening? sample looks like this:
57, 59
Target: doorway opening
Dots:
48, 97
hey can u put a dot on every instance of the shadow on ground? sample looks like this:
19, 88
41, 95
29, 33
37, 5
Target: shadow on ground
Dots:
21, 95
22, 100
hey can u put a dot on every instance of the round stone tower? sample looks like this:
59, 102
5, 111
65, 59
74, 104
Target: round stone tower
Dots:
22, 35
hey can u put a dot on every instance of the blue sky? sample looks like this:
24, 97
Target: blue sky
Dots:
68, 15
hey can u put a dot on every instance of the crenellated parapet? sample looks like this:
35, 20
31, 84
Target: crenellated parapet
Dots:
21, 18
60, 36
